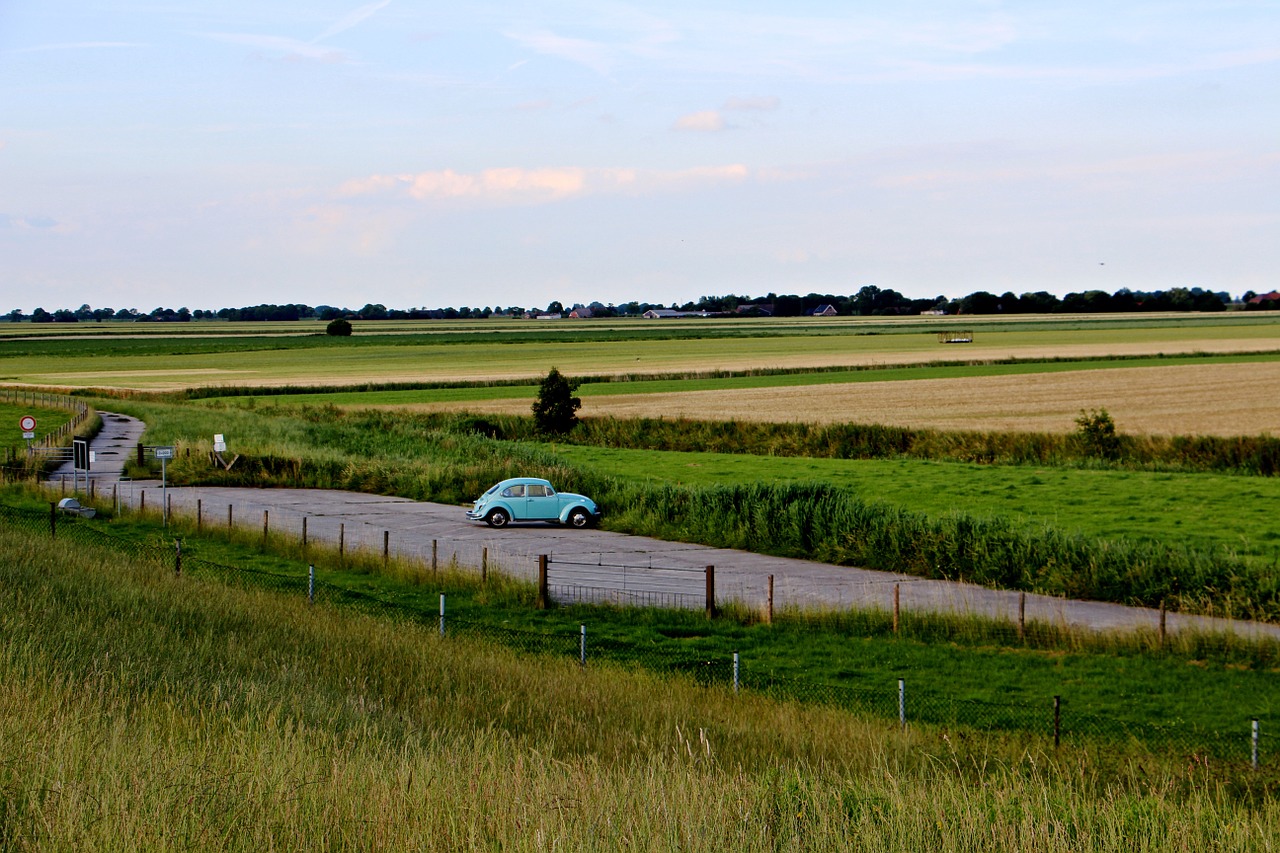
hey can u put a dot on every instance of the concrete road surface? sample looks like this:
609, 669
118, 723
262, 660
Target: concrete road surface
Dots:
596, 564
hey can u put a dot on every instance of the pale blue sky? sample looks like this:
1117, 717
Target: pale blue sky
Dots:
493, 154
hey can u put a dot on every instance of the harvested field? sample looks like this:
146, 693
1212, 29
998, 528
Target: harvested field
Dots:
1175, 400
338, 365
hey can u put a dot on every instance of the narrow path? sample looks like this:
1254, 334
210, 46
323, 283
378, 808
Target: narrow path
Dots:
635, 569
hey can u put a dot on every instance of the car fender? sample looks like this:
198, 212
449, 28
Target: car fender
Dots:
504, 506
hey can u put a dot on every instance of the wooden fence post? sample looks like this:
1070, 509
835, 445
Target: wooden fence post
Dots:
386, 547
304, 537
265, 518
229, 517
769, 613
711, 592
1162, 624
896, 605
342, 540
199, 515
1022, 616
1057, 721
484, 564
542, 582
435, 548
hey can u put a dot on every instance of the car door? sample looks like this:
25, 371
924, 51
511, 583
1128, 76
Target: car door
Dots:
541, 503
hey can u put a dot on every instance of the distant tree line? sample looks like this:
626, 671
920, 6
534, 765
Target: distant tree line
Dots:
868, 301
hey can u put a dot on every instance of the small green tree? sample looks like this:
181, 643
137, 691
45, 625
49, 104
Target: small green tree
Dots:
339, 328
555, 412
1096, 432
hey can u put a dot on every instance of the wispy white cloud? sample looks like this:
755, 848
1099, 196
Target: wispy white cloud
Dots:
512, 185
312, 49
80, 45
282, 44
707, 121
352, 19
595, 55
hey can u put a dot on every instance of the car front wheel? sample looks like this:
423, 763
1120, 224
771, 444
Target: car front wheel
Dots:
579, 518
498, 518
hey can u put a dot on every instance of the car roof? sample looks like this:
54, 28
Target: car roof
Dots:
515, 481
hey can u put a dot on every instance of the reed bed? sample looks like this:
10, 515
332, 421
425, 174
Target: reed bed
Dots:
139, 711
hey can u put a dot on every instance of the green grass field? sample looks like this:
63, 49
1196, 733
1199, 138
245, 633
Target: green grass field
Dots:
1200, 510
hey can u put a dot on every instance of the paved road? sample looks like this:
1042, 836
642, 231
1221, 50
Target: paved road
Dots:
631, 568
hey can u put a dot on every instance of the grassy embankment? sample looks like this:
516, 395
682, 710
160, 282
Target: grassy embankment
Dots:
140, 710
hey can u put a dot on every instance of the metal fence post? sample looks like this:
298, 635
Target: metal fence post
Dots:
311, 584
769, 612
1255, 743
442, 614
736, 671
902, 703
582, 646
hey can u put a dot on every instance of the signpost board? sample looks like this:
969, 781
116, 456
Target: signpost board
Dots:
164, 454
28, 426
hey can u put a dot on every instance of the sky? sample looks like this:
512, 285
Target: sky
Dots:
494, 154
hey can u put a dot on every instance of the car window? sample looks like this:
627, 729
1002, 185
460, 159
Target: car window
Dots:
513, 492
537, 491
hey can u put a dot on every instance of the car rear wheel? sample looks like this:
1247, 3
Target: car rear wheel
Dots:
579, 518
498, 518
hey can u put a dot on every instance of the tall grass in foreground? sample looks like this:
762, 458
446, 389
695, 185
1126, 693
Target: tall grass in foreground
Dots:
140, 711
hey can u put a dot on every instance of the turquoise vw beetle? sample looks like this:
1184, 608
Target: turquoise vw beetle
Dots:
532, 499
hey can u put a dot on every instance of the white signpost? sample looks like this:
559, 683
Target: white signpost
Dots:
164, 454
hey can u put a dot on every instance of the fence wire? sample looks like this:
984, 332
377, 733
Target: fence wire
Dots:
906, 704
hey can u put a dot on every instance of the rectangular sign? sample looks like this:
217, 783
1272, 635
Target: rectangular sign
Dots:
164, 452
80, 453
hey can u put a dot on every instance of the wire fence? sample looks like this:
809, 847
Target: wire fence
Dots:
1053, 719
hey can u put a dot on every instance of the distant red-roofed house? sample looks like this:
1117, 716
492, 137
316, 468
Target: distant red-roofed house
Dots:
1273, 296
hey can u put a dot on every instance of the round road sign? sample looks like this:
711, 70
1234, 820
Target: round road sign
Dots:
27, 423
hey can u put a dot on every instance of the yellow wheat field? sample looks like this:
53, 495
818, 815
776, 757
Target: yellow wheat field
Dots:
1238, 399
